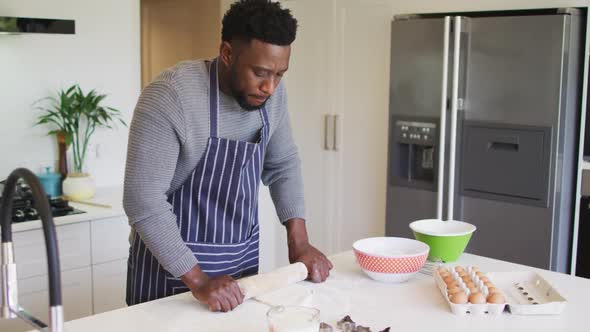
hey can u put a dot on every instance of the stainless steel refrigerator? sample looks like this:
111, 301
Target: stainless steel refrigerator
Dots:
513, 80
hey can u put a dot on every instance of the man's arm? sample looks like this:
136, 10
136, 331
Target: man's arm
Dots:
156, 134
300, 250
282, 173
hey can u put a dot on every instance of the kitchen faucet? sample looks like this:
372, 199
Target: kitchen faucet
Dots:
9, 306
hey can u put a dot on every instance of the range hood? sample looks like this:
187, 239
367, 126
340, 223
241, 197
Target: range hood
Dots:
18, 25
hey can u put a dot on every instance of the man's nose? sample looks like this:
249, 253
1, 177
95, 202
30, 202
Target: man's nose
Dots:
268, 86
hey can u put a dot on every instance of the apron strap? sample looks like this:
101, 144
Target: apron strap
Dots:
264, 116
213, 99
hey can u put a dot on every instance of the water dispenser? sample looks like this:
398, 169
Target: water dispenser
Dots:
413, 148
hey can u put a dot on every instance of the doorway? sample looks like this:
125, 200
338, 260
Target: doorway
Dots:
177, 30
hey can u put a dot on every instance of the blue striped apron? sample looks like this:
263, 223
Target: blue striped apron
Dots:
216, 210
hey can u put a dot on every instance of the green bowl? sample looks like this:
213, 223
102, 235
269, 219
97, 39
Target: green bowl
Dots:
447, 239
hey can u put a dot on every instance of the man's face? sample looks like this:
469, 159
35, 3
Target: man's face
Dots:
256, 69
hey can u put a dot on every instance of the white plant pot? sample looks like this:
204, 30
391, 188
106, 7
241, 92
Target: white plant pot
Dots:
78, 186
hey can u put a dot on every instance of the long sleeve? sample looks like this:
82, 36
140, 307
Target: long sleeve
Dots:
156, 134
282, 170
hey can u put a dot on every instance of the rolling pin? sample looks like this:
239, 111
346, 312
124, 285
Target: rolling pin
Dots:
267, 282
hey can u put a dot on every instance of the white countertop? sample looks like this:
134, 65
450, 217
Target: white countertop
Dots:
416, 305
112, 196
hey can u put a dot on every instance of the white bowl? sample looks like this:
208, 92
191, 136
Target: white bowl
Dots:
390, 259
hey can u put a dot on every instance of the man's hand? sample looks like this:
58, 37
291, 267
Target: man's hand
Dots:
220, 293
300, 250
318, 266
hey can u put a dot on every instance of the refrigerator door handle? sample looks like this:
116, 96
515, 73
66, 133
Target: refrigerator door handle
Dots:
443, 121
327, 132
504, 144
454, 107
336, 140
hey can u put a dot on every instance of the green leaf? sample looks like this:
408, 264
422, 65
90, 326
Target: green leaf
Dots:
77, 114
69, 139
71, 89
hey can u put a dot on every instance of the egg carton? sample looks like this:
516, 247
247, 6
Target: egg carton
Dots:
469, 308
526, 293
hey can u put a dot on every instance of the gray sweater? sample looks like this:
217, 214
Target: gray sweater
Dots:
168, 136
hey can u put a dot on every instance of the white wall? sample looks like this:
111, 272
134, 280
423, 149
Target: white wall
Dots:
104, 54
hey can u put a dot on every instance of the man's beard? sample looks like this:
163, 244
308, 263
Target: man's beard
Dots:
240, 97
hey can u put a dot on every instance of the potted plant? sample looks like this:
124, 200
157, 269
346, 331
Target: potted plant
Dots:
74, 116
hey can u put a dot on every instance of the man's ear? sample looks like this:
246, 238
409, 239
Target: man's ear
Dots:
225, 53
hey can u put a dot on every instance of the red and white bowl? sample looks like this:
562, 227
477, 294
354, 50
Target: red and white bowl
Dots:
390, 259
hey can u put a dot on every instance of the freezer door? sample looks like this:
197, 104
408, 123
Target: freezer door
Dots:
514, 78
416, 67
506, 162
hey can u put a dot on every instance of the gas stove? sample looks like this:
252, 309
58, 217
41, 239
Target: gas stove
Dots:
23, 205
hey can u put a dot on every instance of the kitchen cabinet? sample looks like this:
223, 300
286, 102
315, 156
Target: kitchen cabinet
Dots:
30, 255
110, 239
110, 248
34, 295
362, 105
93, 257
108, 285
338, 101
309, 101
273, 236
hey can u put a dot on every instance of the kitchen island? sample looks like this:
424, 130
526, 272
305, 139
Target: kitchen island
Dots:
416, 305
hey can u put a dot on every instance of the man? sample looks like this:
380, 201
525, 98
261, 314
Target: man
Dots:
203, 135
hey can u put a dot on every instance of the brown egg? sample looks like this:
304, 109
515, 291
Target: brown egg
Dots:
479, 274
442, 269
473, 289
459, 269
496, 298
466, 279
488, 284
452, 284
493, 290
474, 268
477, 298
469, 284
454, 290
484, 279
458, 298
448, 279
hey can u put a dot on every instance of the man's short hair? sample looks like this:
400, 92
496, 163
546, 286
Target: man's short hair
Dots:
259, 19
